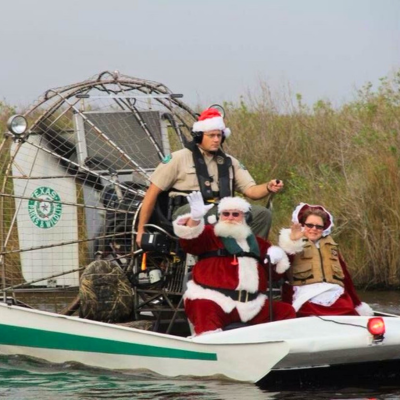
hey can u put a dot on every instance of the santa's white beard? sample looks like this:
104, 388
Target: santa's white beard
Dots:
238, 231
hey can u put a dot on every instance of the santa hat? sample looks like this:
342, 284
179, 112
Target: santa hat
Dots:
233, 203
209, 120
299, 211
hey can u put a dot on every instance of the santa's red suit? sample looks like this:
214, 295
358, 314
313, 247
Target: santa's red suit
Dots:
207, 306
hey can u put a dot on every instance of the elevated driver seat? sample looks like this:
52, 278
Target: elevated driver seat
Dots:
160, 215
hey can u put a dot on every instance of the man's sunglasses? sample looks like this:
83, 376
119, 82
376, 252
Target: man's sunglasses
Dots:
319, 227
234, 214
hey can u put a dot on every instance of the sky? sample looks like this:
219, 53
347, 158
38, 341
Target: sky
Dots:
210, 51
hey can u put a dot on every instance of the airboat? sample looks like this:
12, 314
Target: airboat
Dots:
75, 287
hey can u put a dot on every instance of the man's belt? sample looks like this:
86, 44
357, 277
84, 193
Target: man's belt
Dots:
238, 295
180, 200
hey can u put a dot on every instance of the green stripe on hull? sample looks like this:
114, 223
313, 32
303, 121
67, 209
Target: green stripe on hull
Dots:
28, 337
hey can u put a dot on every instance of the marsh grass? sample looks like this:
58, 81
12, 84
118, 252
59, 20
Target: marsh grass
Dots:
346, 159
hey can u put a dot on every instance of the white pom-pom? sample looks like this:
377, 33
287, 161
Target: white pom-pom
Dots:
227, 133
365, 310
212, 219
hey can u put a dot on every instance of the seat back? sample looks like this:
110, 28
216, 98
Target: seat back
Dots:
160, 215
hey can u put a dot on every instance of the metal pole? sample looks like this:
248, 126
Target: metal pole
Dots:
270, 293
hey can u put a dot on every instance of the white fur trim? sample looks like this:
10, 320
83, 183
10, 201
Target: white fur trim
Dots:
233, 203
248, 274
289, 245
196, 292
246, 311
249, 310
365, 310
212, 219
209, 124
187, 232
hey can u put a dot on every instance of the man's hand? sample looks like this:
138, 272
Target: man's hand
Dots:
197, 207
275, 186
139, 235
148, 204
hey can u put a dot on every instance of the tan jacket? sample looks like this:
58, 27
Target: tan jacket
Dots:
179, 173
315, 265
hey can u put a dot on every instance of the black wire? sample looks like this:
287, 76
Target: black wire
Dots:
340, 323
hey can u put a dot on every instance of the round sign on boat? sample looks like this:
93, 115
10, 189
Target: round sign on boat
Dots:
46, 211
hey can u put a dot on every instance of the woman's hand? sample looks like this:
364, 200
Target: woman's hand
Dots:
296, 231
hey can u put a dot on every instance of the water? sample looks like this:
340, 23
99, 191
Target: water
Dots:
26, 378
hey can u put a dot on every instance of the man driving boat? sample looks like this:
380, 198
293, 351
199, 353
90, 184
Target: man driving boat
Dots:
203, 166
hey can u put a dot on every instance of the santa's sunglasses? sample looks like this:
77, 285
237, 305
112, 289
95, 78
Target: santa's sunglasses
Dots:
310, 226
234, 214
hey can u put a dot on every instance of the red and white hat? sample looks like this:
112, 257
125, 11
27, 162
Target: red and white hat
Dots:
209, 120
303, 207
233, 203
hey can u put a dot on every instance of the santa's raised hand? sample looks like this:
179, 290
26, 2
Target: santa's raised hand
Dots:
197, 207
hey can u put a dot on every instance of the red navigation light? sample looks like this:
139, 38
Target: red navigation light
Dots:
376, 326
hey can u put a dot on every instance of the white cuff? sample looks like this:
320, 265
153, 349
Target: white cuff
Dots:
289, 245
187, 232
365, 310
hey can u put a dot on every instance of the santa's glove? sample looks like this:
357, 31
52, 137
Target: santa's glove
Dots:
278, 257
365, 310
197, 207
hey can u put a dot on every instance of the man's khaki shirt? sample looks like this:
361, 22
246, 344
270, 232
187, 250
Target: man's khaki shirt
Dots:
179, 173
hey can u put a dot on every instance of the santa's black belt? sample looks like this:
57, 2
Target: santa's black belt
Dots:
225, 253
237, 295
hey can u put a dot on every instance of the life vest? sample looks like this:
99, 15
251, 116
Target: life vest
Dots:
224, 163
314, 265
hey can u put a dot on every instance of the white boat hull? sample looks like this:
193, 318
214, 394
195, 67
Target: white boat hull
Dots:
246, 354
324, 341
60, 339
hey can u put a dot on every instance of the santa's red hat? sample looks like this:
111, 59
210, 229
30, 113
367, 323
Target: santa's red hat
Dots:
234, 203
299, 211
209, 120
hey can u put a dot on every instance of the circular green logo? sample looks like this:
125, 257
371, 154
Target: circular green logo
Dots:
45, 212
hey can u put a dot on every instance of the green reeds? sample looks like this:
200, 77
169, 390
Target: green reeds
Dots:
347, 159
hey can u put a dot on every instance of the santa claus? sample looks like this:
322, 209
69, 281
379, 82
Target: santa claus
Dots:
229, 279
